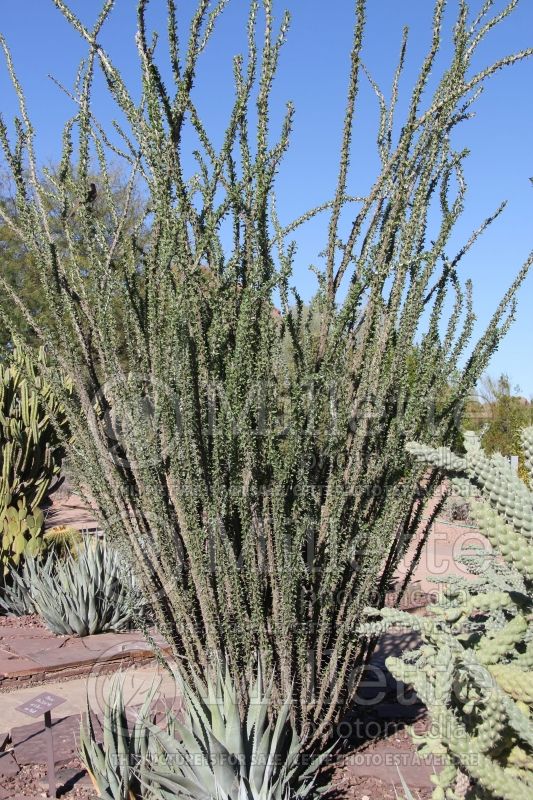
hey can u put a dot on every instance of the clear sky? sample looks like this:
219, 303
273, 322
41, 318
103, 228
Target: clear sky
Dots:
313, 73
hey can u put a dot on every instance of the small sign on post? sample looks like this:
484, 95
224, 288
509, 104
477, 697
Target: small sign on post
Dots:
43, 704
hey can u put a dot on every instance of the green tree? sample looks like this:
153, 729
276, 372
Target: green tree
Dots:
509, 413
18, 268
261, 507
500, 414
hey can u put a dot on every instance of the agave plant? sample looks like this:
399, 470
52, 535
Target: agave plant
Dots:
207, 754
216, 755
116, 765
14, 600
407, 793
15, 595
86, 593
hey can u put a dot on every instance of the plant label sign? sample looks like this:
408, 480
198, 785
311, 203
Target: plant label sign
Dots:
40, 704
43, 705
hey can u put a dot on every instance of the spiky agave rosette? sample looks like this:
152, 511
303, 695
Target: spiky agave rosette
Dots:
87, 591
218, 755
15, 594
206, 752
116, 763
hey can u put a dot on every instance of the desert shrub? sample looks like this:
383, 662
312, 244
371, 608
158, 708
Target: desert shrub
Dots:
20, 267
250, 467
473, 670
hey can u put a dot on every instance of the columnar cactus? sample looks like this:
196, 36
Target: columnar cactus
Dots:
30, 454
474, 668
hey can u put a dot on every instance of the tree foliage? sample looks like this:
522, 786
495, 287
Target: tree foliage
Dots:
261, 506
499, 415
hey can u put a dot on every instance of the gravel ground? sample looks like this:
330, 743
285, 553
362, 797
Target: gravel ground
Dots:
31, 783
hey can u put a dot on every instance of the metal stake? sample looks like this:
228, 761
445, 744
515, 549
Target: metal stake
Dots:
52, 791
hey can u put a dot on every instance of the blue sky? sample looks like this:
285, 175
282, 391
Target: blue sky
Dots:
313, 74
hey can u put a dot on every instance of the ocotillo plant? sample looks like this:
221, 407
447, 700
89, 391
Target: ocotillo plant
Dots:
254, 474
473, 669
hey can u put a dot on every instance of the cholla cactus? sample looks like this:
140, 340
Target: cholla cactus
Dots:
473, 670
